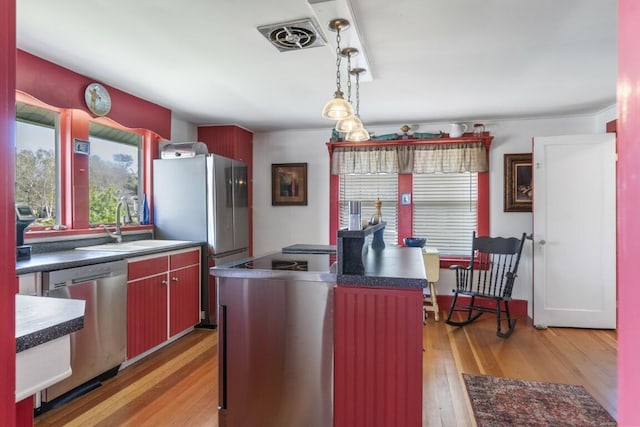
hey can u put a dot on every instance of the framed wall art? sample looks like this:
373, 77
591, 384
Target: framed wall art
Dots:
518, 182
289, 184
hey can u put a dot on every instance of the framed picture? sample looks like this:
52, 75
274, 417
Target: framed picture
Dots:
289, 184
518, 182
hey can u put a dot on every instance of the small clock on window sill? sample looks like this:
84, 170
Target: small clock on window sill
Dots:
97, 99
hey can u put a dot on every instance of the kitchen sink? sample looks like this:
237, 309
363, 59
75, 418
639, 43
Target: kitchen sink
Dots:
158, 243
135, 245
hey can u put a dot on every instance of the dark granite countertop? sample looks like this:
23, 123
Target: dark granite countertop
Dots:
41, 319
59, 260
391, 267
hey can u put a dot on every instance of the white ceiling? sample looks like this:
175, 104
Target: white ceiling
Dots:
430, 60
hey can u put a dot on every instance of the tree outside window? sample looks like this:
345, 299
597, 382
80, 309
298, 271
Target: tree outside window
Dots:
36, 182
114, 172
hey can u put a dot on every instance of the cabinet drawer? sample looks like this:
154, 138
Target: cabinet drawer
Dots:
147, 267
184, 259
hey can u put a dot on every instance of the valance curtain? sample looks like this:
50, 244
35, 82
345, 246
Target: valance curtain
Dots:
410, 158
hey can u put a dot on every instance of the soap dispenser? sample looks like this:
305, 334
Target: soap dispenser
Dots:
144, 217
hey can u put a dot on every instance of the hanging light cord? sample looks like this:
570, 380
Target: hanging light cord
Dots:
349, 77
338, 59
357, 94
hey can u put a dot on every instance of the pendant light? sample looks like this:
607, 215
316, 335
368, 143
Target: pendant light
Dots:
361, 134
337, 108
352, 122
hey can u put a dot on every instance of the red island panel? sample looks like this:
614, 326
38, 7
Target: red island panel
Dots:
377, 357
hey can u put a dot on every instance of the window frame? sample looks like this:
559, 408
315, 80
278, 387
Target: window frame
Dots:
73, 181
405, 185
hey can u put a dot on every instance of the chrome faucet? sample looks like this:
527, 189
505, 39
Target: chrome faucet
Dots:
127, 219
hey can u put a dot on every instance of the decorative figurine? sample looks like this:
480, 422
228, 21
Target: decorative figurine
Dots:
405, 129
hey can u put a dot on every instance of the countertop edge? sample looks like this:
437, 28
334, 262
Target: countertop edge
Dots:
380, 281
51, 333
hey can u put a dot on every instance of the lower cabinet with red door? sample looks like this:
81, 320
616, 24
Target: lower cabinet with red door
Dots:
163, 298
377, 357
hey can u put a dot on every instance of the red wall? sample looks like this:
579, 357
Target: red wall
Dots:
628, 129
8, 285
63, 88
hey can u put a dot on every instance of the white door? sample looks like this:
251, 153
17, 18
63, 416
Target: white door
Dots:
574, 231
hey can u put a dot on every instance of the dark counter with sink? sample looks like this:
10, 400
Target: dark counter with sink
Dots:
60, 260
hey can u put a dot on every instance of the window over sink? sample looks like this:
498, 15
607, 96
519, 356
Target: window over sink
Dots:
72, 168
114, 172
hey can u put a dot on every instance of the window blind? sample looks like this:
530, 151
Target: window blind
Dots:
368, 188
445, 210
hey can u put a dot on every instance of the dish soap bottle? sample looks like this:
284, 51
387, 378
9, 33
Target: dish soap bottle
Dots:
144, 217
376, 218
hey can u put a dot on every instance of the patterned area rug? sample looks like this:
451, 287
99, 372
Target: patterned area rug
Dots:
508, 402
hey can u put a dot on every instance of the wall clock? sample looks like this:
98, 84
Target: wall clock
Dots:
97, 99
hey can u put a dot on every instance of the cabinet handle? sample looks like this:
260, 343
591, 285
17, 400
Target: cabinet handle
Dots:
164, 282
175, 279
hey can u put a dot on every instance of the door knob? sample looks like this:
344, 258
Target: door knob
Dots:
542, 242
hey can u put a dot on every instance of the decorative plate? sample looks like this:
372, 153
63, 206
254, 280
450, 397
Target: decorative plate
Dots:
97, 99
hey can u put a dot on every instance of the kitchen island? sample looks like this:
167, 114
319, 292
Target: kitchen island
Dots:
275, 340
378, 333
294, 333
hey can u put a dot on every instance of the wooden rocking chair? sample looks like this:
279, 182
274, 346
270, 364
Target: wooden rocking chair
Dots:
488, 281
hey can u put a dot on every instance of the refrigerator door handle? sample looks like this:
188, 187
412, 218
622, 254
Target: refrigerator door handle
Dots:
222, 379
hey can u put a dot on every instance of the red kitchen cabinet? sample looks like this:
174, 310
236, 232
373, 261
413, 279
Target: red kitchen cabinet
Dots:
184, 295
377, 357
163, 298
228, 141
146, 314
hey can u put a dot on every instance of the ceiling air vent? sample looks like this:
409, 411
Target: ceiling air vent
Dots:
293, 35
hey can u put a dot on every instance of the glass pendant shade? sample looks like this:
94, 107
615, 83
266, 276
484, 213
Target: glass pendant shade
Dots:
337, 108
349, 124
358, 135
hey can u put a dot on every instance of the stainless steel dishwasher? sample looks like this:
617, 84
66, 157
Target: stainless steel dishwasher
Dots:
98, 349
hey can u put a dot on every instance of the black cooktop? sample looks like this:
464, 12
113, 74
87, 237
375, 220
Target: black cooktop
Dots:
292, 262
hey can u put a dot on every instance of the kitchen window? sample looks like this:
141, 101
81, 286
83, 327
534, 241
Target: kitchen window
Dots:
114, 172
367, 189
37, 162
446, 181
71, 190
445, 210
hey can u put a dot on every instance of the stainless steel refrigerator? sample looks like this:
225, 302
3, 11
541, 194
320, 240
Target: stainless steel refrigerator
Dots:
203, 198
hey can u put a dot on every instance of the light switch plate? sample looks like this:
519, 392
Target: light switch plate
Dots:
81, 147
405, 198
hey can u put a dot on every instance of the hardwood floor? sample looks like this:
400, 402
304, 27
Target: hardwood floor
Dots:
177, 386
